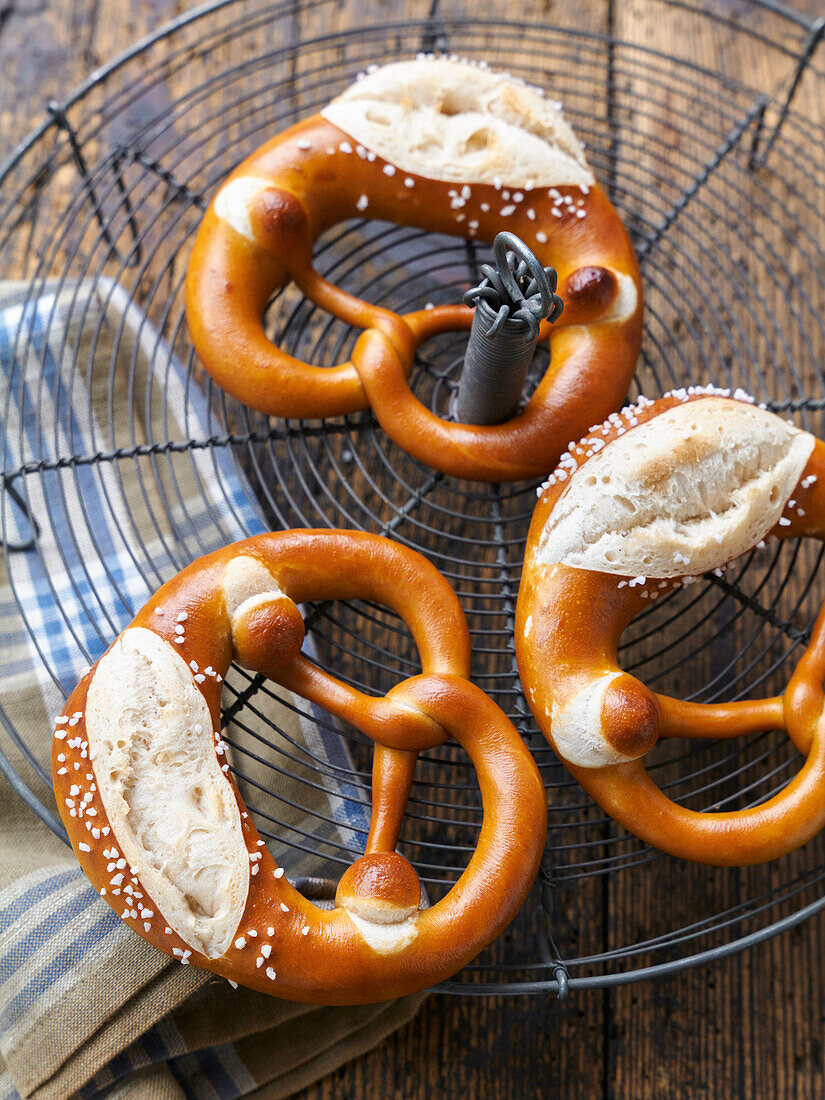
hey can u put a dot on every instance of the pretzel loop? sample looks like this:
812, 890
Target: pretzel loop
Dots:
259, 233
603, 721
184, 865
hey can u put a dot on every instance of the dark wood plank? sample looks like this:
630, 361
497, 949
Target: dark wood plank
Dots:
740, 1027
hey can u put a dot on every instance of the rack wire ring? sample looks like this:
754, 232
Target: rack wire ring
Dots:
700, 216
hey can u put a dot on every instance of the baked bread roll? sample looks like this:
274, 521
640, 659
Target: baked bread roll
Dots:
659, 494
462, 123
448, 147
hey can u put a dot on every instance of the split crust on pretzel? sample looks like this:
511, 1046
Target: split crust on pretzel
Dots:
441, 146
660, 492
160, 828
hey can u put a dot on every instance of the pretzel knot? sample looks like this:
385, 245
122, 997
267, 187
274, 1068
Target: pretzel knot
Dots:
153, 813
660, 493
430, 144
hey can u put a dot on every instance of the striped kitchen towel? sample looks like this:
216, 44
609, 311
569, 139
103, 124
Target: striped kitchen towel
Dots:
87, 1008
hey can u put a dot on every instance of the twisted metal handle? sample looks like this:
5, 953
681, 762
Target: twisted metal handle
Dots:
511, 301
518, 287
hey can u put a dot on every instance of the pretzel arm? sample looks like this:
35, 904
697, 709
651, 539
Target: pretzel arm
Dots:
330, 965
357, 313
384, 720
231, 337
590, 292
736, 838
678, 718
392, 778
515, 449
370, 568
593, 633
349, 566
424, 323
719, 721
589, 622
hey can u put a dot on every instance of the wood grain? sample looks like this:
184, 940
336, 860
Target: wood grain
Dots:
735, 1030
750, 1026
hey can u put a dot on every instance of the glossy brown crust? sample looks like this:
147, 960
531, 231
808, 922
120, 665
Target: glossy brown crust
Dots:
578, 617
314, 184
319, 956
385, 878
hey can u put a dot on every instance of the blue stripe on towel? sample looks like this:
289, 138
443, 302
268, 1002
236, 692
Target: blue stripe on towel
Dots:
73, 614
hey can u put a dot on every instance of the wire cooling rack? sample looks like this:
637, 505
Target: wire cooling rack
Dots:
722, 185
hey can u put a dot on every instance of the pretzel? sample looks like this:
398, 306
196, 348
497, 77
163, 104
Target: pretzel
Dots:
158, 824
449, 148
660, 493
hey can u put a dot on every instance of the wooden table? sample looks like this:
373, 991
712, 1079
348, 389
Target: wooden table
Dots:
752, 1026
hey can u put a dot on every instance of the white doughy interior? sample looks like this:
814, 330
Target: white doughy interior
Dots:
577, 727
445, 120
626, 299
171, 809
247, 584
385, 937
379, 912
386, 928
233, 200
680, 495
